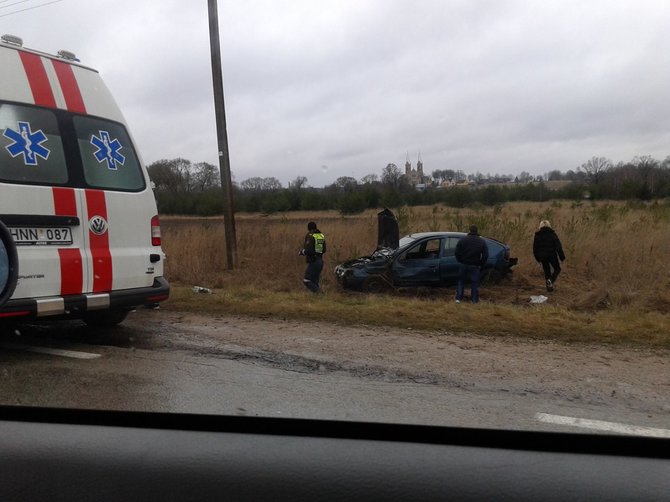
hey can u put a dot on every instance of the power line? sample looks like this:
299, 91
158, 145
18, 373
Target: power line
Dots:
30, 8
12, 4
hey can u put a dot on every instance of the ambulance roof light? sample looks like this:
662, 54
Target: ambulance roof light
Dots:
70, 56
12, 39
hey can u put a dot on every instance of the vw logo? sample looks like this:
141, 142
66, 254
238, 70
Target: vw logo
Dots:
98, 225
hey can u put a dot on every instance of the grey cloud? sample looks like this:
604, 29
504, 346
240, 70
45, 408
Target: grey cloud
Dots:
475, 85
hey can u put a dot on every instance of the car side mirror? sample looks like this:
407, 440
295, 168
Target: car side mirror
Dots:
9, 269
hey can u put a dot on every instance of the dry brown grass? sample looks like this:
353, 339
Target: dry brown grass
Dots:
615, 278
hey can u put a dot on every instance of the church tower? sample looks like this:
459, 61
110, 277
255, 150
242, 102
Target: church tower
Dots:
408, 166
419, 168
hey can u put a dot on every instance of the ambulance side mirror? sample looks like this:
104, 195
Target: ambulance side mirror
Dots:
9, 264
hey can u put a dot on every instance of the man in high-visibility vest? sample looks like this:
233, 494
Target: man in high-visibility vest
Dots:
314, 248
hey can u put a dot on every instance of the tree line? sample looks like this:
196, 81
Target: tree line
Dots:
183, 187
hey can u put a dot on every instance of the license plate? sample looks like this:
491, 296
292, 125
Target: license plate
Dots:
33, 236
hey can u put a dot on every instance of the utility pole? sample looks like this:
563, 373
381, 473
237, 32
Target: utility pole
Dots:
222, 136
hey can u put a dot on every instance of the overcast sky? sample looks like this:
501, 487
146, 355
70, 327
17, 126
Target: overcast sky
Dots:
324, 89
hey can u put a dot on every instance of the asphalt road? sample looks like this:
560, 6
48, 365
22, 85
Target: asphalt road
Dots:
156, 361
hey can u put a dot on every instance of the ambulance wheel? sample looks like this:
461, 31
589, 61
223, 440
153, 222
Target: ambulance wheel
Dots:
105, 317
9, 264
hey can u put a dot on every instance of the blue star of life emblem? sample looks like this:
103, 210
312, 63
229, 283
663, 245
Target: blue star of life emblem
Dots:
108, 150
27, 143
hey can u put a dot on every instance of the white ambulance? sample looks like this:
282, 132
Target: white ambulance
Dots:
79, 229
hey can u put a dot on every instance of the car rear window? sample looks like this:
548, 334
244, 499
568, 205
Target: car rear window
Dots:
107, 155
31, 149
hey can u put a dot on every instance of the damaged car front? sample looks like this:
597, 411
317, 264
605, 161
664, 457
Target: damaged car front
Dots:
367, 273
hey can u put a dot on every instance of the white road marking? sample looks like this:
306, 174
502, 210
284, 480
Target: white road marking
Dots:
48, 350
603, 426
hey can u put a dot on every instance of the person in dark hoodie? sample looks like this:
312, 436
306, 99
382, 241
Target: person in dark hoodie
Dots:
313, 249
547, 250
472, 254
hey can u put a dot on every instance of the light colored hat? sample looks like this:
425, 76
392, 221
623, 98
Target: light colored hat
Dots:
545, 223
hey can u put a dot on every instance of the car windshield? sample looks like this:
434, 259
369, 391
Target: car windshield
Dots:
537, 129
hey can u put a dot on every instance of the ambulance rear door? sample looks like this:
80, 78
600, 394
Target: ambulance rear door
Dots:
38, 204
119, 207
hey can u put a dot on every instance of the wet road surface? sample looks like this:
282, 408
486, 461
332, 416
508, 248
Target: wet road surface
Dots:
156, 361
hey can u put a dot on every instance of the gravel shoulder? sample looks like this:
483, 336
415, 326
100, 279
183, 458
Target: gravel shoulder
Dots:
638, 379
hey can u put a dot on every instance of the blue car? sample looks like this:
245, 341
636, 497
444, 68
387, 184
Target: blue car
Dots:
421, 259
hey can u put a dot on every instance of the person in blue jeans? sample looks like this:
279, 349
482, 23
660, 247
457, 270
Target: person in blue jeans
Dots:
471, 254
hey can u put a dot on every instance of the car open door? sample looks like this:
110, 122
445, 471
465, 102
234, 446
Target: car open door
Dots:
419, 265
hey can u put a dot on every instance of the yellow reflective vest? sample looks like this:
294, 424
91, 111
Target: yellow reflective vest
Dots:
319, 240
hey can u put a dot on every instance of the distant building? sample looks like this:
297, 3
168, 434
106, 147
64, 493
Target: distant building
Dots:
415, 176
453, 183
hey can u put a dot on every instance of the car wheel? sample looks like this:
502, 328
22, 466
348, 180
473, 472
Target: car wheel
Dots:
105, 317
376, 284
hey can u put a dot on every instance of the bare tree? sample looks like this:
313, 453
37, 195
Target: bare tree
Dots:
595, 168
442, 175
299, 182
261, 184
554, 175
524, 177
345, 182
369, 179
391, 175
271, 183
164, 176
172, 175
647, 168
206, 176
252, 184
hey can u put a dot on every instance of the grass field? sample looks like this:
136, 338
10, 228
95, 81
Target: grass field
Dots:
614, 287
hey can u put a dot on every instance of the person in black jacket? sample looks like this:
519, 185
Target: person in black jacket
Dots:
472, 254
547, 250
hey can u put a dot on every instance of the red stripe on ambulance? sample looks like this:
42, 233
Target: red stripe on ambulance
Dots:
71, 271
38, 80
70, 88
99, 242
64, 201
71, 265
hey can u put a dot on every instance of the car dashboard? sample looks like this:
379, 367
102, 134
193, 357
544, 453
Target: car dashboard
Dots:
59, 454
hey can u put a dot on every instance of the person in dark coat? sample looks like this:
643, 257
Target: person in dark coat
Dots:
472, 254
547, 250
314, 247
